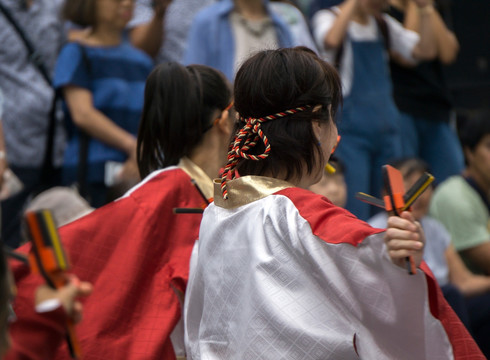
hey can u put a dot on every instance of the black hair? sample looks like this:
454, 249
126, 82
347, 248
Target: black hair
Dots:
474, 128
178, 106
274, 81
410, 165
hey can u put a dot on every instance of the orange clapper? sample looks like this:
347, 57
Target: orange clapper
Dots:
48, 258
396, 200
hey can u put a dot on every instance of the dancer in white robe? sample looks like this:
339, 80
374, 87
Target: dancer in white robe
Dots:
280, 272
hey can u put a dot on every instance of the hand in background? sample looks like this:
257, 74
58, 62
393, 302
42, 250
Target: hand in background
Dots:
130, 172
160, 6
67, 295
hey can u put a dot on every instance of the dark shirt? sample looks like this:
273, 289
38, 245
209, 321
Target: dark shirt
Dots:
420, 91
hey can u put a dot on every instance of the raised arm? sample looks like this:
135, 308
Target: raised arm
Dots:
426, 49
335, 36
446, 43
149, 37
480, 256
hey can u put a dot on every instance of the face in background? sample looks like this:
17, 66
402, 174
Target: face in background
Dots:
479, 162
420, 207
333, 187
373, 7
115, 13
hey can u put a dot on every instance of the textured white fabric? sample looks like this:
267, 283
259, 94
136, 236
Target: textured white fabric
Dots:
262, 286
437, 242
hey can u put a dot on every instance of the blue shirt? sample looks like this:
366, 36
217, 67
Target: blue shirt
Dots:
116, 77
211, 39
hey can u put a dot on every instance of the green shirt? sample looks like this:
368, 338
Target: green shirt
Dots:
464, 214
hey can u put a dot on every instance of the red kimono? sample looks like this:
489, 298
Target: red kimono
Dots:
135, 251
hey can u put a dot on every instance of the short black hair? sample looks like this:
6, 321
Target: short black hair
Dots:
178, 105
274, 81
410, 165
474, 128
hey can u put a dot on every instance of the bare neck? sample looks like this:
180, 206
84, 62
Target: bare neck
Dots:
210, 156
360, 17
104, 36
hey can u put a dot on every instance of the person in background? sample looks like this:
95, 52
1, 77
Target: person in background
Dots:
177, 21
356, 36
325, 284
33, 155
102, 78
65, 203
461, 202
422, 95
136, 250
3, 154
317, 5
332, 185
296, 21
462, 205
226, 33
467, 293
38, 339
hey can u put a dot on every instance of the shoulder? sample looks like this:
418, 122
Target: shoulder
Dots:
320, 16
160, 182
136, 55
399, 34
209, 14
455, 191
70, 50
327, 221
457, 205
392, 23
70, 67
154, 198
289, 11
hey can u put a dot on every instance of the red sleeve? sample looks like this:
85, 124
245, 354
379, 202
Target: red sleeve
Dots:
37, 336
135, 252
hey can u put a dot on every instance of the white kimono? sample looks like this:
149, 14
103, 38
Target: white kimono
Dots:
281, 273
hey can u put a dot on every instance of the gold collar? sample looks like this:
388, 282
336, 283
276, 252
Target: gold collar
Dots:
195, 172
247, 189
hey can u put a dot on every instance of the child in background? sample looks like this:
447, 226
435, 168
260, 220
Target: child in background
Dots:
460, 286
102, 78
356, 36
332, 185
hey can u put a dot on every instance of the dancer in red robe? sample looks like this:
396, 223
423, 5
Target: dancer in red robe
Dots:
136, 250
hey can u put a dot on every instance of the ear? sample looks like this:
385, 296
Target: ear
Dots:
224, 123
317, 129
468, 154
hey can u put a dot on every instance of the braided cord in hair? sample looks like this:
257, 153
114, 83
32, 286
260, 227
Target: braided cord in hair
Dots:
246, 139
